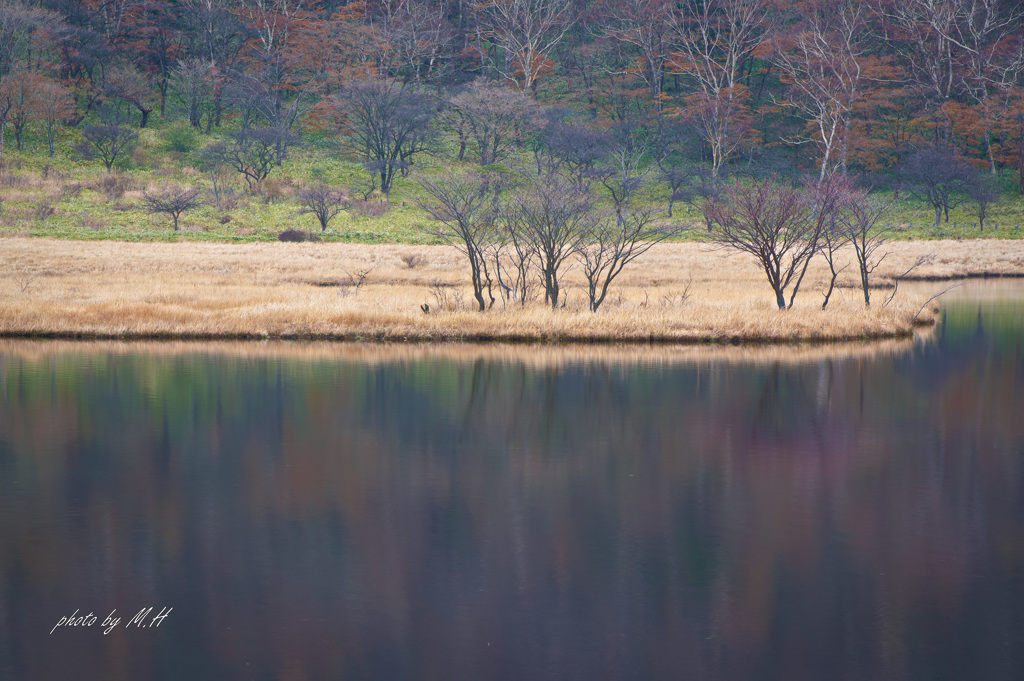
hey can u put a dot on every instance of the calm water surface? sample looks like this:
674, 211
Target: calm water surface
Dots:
326, 512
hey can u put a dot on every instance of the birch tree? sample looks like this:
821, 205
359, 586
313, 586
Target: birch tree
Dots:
826, 63
527, 32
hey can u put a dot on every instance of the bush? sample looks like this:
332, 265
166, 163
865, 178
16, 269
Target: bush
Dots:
113, 186
297, 236
371, 209
181, 138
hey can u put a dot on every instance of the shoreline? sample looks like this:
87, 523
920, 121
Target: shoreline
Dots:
550, 339
679, 293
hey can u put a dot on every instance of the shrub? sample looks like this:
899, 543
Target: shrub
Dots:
274, 189
297, 236
71, 190
173, 201
113, 186
371, 209
181, 138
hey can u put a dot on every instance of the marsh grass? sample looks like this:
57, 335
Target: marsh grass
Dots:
681, 292
624, 356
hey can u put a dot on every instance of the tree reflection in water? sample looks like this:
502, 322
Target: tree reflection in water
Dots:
324, 511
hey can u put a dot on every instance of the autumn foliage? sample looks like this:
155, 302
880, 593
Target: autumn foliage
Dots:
821, 87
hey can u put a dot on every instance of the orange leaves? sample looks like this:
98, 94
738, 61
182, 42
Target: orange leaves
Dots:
529, 67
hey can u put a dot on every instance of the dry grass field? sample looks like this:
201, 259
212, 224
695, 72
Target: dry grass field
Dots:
679, 292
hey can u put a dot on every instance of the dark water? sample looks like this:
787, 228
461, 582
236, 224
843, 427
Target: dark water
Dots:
842, 514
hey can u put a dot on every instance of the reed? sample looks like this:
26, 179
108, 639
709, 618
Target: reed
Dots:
682, 292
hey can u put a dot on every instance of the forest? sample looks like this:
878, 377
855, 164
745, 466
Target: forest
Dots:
651, 103
821, 86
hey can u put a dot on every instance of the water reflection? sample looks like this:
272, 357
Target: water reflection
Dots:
417, 512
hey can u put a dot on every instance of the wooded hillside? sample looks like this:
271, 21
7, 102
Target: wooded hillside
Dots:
818, 85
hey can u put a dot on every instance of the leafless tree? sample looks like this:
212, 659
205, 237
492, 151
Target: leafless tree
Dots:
833, 238
464, 213
107, 142
983, 192
491, 120
552, 213
173, 201
626, 168
323, 202
861, 217
514, 258
715, 38
938, 178
826, 63
955, 48
527, 31
645, 27
253, 153
779, 225
22, 26
54, 106
575, 149
194, 82
125, 83
388, 123
611, 243
412, 38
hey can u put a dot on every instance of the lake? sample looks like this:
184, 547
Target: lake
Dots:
332, 511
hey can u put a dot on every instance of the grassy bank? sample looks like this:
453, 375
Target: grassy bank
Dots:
312, 354
681, 292
67, 198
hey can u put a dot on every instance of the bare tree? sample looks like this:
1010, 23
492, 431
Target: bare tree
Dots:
715, 38
8, 100
576, 149
194, 82
387, 124
646, 27
779, 225
956, 49
54, 106
826, 64
412, 38
513, 255
552, 213
173, 201
527, 31
626, 170
126, 83
491, 119
23, 27
833, 238
861, 218
464, 211
675, 169
211, 160
612, 243
938, 178
983, 192
253, 152
323, 202
107, 142
20, 88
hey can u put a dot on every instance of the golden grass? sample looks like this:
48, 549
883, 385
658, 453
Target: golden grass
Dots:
534, 356
189, 290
